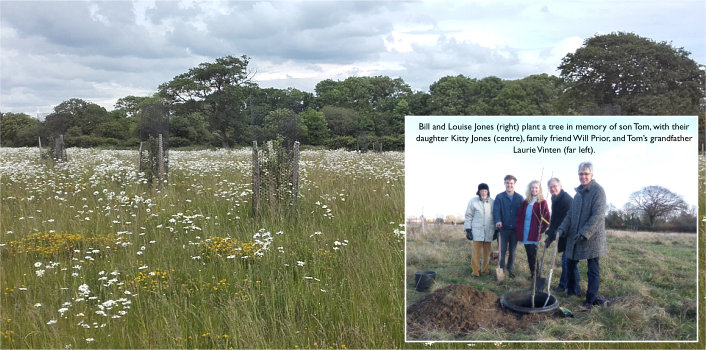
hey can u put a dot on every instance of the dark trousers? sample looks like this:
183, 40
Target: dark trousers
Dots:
531, 250
594, 278
564, 279
508, 241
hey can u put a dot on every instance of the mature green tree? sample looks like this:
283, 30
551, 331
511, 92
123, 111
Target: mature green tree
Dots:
341, 121
190, 129
623, 73
116, 127
460, 95
129, 106
79, 116
372, 98
451, 95
419, 103
533, 95
153, 120
18, 130
284, 123
260, 102
396, 121
218, 90
316, 126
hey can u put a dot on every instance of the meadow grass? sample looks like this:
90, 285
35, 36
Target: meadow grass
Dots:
93, 256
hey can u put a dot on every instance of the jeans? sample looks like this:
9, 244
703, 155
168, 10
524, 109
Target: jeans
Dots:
594, 278
564, 279
508, 240
531, 250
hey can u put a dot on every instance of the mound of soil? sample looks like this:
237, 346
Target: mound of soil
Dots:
461, 309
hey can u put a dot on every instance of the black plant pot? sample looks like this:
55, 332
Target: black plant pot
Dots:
423, 280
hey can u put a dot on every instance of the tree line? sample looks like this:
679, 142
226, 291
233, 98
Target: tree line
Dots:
217, 104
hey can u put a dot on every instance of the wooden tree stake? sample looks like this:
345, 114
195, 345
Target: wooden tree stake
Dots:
255, 180
295, 173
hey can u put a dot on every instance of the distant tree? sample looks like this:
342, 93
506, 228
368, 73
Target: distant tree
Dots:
129, 106
451, 95
372, 98
657, 202
260, 102
79, 116
190, 129
316, 126
419, 103
341, 121
285, 124
623, 73
460, 95
18, 130
395, 124
614, 218
153, 121
684, 221
219, 90
533, 95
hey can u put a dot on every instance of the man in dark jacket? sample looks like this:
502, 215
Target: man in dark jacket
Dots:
505, 210
584, 227
561, 202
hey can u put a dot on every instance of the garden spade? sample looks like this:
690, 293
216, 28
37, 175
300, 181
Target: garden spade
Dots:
539, 285
499, 273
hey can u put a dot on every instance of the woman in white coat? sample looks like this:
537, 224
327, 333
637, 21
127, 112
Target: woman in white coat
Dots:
480, 228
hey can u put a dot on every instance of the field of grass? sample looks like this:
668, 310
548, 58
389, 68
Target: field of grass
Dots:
93, 257
652, 278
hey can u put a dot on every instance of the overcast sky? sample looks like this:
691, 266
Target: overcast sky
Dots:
100, 51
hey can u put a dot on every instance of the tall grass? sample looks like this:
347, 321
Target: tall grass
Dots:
92, 256
651, 278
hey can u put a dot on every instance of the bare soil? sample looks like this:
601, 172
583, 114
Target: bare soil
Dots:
461, 309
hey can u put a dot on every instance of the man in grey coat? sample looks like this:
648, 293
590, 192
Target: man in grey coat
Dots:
584, 228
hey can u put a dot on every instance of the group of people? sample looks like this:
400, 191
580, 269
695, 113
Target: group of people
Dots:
578, 222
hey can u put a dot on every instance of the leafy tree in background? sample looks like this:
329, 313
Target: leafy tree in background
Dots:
451, 95
219, 90
80, 116
285, 123
372, 98
623, 73
187, 130
129, 106
260, 102
18, 130
316, 126
533, 95
461, 95
341, 121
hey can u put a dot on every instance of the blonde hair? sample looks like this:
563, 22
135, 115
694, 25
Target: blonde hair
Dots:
528, 195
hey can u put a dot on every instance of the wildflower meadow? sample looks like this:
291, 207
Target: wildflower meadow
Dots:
95, 256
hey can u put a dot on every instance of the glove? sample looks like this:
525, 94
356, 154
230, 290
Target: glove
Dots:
551, 236
495, 235
469, 234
